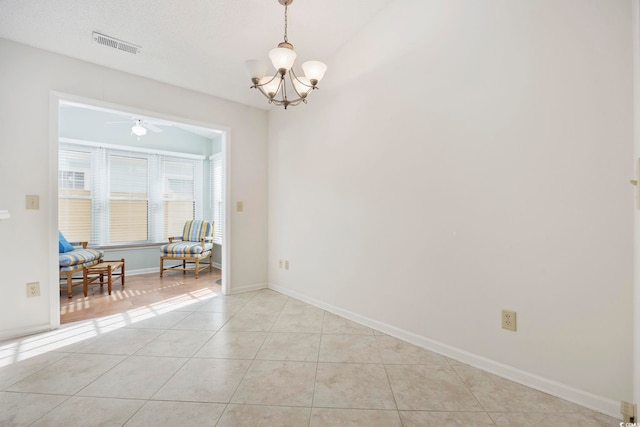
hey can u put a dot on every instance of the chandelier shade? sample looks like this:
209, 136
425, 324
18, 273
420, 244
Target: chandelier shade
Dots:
314, 70
302, 85
270, 85
282, 58
284, 87
256, 68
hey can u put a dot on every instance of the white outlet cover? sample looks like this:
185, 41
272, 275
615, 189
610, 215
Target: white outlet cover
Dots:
33, 289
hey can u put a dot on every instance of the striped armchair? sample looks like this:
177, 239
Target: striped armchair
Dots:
195, 245
75, 261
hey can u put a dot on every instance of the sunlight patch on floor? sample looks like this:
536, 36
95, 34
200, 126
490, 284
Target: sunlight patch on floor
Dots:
13, 351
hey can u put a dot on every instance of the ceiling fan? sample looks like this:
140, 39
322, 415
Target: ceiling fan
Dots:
139, 130
140, 126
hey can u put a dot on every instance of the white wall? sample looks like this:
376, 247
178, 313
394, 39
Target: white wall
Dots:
27, 77
468, 156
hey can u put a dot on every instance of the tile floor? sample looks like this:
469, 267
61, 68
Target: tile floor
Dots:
253, 359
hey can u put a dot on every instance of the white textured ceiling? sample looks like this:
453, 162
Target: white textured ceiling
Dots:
195, 44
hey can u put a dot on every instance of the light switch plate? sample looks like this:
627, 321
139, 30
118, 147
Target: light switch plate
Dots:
239, 206
33, 202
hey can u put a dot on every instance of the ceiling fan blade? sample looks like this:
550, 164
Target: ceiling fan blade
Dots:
151, 127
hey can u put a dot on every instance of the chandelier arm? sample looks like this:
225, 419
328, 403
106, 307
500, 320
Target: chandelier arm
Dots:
300, 81
281, 85
284, 90
264, 93
258, 85
292, 75
286, 101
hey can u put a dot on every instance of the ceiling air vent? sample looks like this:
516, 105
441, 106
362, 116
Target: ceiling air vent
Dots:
116, 44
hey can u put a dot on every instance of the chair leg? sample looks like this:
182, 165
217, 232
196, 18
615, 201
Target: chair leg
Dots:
211, 262
197, 266
85, 284
184, 268
122, 271
109, 278
161, 267
70, 284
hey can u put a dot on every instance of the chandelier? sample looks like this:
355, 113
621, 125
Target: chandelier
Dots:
285, 83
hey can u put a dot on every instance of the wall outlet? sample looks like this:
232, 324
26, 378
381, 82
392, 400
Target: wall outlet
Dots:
33, 289
509, 320
280, 264
286, 264
629, 412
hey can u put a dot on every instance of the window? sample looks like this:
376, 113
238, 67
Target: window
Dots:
178, 190
74, 195
128, 199
70, 180
109, 196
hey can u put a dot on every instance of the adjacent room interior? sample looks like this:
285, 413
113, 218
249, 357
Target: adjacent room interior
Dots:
126, 183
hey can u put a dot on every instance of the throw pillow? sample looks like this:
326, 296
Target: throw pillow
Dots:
63, 245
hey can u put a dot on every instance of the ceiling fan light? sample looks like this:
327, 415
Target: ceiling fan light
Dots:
314, 70
138, 129
282, 58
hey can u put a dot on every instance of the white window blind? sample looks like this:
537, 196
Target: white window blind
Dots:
75, 196
112, 197
217, 184
178, 194
128, 199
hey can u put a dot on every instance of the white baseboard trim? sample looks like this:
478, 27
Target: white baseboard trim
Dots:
142, 271
597, 403
23, 332
157, 270
246, 288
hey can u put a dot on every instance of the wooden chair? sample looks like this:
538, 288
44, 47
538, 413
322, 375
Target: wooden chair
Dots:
75, 261
194, 246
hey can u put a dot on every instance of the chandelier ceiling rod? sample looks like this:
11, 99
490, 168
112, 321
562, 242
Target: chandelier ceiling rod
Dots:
274, 88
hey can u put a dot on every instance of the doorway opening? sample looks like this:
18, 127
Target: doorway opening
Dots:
124, 181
